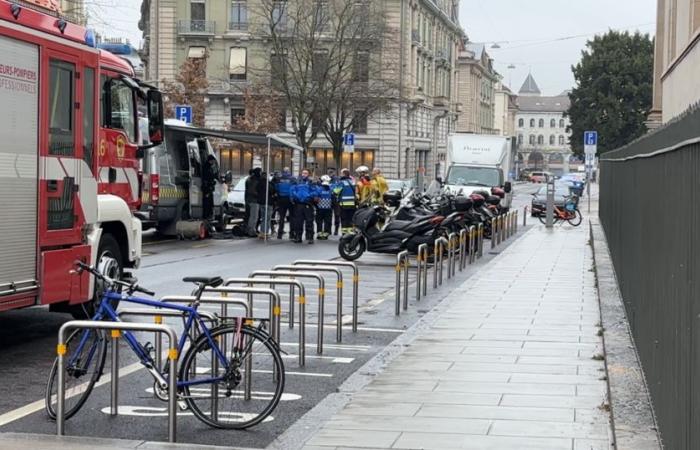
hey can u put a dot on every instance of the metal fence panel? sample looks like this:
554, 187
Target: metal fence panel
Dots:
649, 208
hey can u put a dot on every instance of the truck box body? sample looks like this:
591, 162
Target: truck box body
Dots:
477, 162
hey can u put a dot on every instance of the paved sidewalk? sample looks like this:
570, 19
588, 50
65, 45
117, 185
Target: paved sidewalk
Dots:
509, 364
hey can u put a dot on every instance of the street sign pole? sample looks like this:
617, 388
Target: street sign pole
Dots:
590, 146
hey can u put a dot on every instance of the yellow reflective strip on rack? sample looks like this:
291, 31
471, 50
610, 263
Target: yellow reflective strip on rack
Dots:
339, 285
224, 294
158, 319
398, 267
356, 278
61, 349
277, 310
172, 354
321, 291
302, 300
116, 334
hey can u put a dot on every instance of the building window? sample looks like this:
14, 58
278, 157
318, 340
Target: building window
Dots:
279, 17
561, 140
540, 140
521, 123
532, 123
322, 17
520, 138
532, 139
239, 15
198, 15
196, 52
561, 123
320, 66
278, 70
552, 123
237, 64
541, 123
552, 139
361, 67
359, 122
236, 115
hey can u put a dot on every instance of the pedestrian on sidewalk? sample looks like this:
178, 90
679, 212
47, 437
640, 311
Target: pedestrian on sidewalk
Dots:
251, 199
283, 187
303, 194
345, 198
266, 204
324, 208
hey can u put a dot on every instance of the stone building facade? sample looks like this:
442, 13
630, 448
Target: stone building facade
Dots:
476, 90
505, 110
407, 142
542, 129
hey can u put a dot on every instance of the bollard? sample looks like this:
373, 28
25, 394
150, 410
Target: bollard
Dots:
400, 258
525, 216
117, 327
438, 249
463, 248
339, 291
494, 232
355, 281
421, 270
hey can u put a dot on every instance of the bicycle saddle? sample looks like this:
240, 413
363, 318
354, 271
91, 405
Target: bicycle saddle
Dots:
206, 281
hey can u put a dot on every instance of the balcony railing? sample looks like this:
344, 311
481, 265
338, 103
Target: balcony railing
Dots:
238, 26
196, 27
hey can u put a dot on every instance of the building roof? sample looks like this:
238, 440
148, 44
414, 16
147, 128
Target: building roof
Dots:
559, 103
476, 49
530, 87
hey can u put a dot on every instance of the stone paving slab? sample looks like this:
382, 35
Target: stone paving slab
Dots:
508, 364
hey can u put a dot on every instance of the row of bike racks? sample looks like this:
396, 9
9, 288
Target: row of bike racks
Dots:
258, 283
462, 249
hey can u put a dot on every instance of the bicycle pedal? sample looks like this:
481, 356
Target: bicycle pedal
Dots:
182, 405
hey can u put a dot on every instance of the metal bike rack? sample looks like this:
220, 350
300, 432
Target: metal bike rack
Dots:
480, 239
525, 216
473, 242
117, 328
321, 296
504, 228
355, 281
494, 232
339, 293
516, 220
302, 305
463, 248
438, 250
402, 264
453, 249
422, 270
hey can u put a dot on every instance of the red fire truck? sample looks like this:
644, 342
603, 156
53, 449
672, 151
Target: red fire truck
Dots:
69, 158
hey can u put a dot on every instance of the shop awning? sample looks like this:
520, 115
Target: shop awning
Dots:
236, 136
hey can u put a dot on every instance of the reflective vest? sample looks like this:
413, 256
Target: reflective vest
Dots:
345, 193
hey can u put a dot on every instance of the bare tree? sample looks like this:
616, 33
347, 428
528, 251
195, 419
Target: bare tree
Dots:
263, 112
189, 88
317, 50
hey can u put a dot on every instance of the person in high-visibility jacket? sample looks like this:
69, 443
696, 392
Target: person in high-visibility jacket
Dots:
344, 190
363, 185
378, 187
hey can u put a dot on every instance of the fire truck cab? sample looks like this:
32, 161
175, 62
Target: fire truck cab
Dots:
69, 158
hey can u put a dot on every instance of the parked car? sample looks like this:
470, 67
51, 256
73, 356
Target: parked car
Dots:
540, 177
575, 181
539, 198
400, 185
235, 200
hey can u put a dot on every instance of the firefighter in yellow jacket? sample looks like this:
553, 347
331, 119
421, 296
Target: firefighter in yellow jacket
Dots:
378, 187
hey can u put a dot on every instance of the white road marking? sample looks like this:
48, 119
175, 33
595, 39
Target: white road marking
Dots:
152, 411
257, 395
356, 348
38, 405
301, 374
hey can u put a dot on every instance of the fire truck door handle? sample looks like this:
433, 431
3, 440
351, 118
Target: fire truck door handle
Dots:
52, 186
112, 175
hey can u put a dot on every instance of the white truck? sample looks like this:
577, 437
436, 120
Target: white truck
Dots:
479, 162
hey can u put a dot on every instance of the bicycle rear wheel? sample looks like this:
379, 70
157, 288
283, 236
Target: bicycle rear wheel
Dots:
221, 403
86, 351
576, 218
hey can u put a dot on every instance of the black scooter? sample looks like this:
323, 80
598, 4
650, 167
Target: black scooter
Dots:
396, 236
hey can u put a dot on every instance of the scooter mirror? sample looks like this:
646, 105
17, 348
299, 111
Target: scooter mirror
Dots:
508, 187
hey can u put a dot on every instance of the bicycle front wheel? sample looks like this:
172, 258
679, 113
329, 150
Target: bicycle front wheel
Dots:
85, 355
216, 394
575, 218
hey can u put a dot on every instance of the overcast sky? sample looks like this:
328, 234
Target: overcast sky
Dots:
539, 34
542, 36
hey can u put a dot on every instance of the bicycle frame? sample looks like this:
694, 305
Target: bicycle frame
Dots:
106, 311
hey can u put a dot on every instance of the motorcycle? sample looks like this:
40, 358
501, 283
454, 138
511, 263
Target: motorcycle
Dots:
394, 237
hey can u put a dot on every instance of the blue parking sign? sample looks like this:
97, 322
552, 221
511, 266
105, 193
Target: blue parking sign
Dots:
590, 138
350, 139
184, 113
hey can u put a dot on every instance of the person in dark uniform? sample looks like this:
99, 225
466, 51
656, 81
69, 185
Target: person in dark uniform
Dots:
209, 177
303, 194
283, 187
324, 208
346, 198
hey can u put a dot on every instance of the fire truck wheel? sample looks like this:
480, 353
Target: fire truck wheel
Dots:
109, 262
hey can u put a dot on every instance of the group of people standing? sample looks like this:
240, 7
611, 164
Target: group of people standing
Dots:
313, 207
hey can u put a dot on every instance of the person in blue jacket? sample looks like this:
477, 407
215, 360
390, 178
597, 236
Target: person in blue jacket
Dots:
283, 187
324, 208
303, 195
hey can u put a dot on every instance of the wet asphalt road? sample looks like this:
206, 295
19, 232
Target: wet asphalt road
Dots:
29, 336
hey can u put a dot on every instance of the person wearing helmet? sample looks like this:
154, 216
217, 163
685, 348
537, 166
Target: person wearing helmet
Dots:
346, 200
324, 208
363, 185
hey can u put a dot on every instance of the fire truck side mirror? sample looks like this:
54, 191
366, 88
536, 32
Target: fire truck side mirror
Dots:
155, 116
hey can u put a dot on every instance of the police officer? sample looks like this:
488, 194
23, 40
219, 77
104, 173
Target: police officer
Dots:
336, 208
303, 194
324, 208
346, 199
283, 187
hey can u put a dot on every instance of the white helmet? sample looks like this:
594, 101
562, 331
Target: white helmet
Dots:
362, 170
325, 179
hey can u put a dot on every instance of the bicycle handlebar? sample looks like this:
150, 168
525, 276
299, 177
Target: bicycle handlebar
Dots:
131, 287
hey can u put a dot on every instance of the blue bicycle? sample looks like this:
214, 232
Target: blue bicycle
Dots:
212, 375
